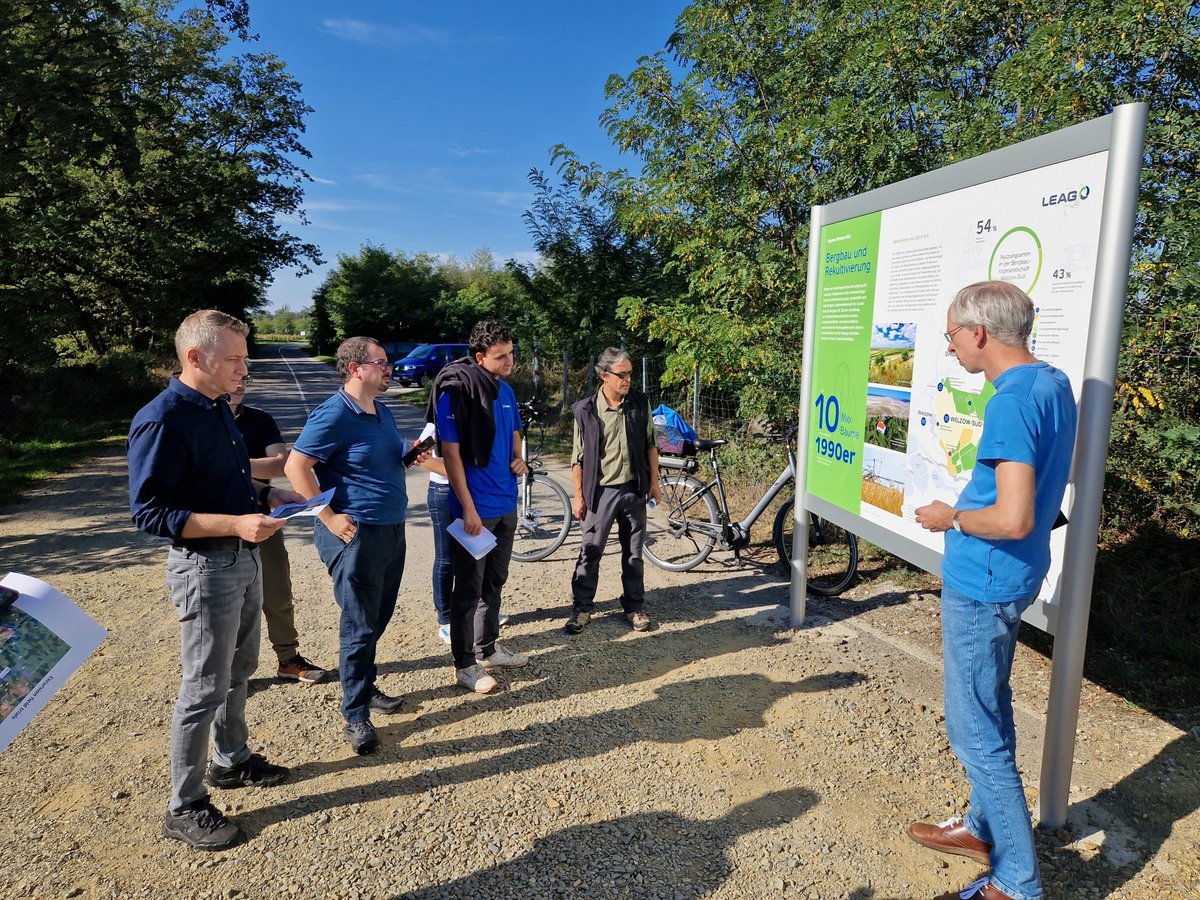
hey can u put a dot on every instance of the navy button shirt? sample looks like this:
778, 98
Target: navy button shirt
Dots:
186, 456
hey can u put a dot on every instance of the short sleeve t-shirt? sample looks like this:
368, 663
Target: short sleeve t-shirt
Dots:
360, 455
493, 487
1030, 419
259, 430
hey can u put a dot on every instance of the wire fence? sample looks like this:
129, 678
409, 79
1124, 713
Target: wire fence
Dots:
557, 381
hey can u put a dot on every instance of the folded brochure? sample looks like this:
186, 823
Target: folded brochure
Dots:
308, 508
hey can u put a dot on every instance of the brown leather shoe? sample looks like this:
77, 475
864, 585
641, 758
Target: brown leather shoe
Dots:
980, 890
951, 837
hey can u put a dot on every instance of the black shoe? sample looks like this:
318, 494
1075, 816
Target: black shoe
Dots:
362, 737
202, 828
577, 622
254, 772
384, 703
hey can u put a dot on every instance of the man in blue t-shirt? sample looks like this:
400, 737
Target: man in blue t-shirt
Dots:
350, 443
997, 554
479, 431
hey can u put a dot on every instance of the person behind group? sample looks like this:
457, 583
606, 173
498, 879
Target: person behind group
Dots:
996, 556
479, 430
615, 470
189, 483
437, 498
268, 452
350, 444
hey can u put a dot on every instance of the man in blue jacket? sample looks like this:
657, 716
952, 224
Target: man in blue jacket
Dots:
189, 483
997, 554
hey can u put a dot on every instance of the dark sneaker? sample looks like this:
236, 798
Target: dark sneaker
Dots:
639, 620
385, 703
202, 828
300, 669
254, 772
577, 622
362, 737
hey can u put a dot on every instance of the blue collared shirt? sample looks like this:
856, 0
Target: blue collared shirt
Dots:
186, 456
360, 455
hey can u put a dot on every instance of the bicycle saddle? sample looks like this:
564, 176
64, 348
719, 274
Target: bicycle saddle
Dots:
710, 445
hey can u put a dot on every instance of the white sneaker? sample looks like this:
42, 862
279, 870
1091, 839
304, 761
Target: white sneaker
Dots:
444, 633
503, 659
503, 621
474, 678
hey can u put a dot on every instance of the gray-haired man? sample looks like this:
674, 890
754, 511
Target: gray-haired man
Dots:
615, 469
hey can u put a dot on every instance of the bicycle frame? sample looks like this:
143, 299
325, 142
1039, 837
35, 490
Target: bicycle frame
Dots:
735, 535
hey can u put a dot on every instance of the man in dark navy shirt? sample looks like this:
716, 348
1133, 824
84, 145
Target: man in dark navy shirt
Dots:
189, 483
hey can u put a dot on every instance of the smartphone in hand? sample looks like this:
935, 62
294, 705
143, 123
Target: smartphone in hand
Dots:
420, 447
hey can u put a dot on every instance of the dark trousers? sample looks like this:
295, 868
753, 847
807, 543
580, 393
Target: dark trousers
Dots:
475, 600
366, 579
624, 505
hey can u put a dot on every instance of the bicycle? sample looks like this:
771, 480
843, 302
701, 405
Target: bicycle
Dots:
693, 519
543, 507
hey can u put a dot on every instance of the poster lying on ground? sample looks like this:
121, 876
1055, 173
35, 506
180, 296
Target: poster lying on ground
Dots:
44, 638
895, 420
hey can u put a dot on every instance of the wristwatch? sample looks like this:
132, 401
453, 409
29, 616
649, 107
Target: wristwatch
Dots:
957, 524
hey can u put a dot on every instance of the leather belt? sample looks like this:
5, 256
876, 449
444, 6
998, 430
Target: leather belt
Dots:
215, 544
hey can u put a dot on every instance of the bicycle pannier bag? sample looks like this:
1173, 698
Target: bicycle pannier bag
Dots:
673, 434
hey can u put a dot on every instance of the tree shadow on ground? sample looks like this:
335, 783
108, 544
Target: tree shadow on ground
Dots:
704, 709
634, 855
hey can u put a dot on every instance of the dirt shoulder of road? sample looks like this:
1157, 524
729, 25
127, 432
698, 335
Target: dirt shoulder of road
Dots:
721, 754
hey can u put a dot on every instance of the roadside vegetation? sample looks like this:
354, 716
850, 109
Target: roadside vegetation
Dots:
171, 157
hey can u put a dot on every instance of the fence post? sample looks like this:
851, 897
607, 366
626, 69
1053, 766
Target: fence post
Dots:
591, 376
566, 378
696, 397
645, 376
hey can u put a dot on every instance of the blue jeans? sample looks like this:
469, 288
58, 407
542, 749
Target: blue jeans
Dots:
438, 500
978, 643
366, 579
218, 598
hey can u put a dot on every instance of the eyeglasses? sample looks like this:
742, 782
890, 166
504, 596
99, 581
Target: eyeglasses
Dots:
382, 363
247, 379
623, 376
949, 335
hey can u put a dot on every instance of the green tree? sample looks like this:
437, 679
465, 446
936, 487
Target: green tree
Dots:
759, 109
143, 171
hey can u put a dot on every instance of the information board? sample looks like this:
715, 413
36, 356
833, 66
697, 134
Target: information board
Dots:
895, 421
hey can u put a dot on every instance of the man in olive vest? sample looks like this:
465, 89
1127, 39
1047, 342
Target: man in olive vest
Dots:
615, 470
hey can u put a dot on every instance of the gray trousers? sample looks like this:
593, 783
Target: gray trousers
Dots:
624, 505
218, 598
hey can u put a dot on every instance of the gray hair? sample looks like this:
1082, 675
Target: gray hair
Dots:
202, 331
1002, 308
609, 358
354, 350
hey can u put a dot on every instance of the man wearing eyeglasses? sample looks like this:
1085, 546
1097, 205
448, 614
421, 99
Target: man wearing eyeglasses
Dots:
997, 553
615, 470
350, 443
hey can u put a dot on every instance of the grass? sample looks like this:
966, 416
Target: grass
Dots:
25, 463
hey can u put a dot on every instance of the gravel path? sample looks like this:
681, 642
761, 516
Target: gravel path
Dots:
719, 755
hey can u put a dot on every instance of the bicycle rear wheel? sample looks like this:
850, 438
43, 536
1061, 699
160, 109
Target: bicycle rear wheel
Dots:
543, 518
673, 541
832, 551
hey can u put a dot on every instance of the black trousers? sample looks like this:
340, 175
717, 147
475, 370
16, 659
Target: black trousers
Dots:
475, 600
625, 506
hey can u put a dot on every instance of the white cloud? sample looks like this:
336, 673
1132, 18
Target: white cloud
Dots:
382, 35
317, 180
460, 152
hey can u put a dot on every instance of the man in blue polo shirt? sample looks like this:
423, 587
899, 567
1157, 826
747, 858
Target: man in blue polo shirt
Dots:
350, 444
479, 430
189, 483
997, 553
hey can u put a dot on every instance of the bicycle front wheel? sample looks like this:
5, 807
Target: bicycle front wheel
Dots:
673, 540
543, 518
832, 551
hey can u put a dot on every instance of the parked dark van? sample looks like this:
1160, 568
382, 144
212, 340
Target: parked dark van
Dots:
422, 364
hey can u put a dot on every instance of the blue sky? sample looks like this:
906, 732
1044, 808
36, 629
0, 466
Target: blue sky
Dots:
428, 117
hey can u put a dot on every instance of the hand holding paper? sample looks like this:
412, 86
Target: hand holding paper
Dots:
308, 508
